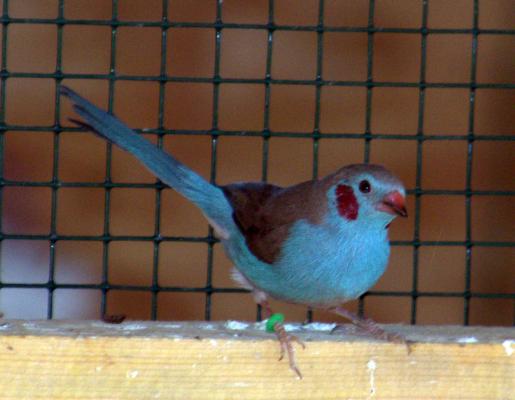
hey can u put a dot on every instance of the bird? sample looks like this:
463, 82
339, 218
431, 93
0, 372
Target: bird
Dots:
319, 243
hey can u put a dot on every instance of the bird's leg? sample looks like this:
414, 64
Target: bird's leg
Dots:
285, 339
370, 326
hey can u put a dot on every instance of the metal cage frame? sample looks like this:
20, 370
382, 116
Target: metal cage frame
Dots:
218, 26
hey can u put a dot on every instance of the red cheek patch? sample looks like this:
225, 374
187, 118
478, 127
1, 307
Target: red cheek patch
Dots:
346, 202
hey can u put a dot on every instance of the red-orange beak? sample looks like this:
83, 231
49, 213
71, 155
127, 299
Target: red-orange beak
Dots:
394, 203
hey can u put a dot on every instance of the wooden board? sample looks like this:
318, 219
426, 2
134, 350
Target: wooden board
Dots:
165, 360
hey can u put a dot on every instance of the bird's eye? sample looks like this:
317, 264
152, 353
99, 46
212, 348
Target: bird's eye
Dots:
364, 186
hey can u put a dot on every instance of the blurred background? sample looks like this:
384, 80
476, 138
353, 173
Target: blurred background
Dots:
439, 110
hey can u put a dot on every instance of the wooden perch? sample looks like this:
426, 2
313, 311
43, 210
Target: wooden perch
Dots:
152, 360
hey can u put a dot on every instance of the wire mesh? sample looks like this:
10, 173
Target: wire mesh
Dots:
316, 135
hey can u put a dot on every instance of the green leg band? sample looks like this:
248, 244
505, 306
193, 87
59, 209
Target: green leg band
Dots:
274, 319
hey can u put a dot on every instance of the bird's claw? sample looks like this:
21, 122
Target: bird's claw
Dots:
379, 333
372, 328
297, 340
285, 341
287, 344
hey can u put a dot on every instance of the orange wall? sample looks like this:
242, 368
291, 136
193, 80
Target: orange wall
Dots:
29, 155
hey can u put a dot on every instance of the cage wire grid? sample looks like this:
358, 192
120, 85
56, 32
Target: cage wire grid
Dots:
316, 135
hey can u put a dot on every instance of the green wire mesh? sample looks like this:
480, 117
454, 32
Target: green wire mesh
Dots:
268, 81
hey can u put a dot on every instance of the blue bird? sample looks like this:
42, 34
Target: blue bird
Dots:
319, 243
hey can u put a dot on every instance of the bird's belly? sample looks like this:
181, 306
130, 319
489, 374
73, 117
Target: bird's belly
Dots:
316, 267
330, 282
331, 269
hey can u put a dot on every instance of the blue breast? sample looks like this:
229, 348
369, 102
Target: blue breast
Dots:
323, 265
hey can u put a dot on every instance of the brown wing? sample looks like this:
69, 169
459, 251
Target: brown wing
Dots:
264, 213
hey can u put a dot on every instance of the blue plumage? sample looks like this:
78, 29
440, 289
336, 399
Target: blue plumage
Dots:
318, 243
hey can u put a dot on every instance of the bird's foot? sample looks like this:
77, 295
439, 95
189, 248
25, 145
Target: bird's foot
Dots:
371, 327
285, 340
275, 324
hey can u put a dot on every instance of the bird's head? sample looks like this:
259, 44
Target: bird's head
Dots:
367, 193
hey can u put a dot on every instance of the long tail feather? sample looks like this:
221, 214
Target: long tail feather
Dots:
209, 198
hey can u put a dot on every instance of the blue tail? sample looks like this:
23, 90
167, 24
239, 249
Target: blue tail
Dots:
209, 198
